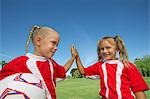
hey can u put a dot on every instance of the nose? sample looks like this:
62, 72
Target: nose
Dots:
55, 48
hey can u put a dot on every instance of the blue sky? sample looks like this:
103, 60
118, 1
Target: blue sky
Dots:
79, 22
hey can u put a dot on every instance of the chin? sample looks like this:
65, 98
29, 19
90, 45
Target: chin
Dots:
107, 59
50, 56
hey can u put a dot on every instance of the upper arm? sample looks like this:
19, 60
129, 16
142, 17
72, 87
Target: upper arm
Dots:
12, 67
140, 95
6, 71
92, 70
59, 70
136, 80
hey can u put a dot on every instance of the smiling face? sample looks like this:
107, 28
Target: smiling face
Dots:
46, 45
108, 49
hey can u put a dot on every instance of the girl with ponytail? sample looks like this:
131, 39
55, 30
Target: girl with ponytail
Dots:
45, 41
119, 78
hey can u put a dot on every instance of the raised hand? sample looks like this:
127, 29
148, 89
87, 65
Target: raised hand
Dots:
74, 51
74, 54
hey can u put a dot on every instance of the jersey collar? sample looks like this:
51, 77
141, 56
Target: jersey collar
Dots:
35, 57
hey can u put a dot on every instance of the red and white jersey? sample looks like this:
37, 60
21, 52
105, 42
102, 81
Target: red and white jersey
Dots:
46, 69
116, 80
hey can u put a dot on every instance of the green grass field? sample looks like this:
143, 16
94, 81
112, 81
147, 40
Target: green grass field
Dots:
82, 89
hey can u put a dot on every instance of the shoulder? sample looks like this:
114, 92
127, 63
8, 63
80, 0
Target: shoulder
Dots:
98, 63
54, 63
132, 68
16, 65
18, 60
131, 65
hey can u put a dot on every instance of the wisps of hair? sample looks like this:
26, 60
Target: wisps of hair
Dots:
98, 52
121, 48
123, 55
30, 36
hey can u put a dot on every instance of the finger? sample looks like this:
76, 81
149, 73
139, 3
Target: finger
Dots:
73, 46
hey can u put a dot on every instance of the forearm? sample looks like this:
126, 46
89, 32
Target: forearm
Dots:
79, 65
140, 95
69, 63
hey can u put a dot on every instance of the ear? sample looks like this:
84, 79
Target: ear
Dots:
37, 40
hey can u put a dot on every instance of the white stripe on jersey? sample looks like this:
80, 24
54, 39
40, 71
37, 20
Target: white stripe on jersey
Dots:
52, 72
105, 78
31, 64
120, 67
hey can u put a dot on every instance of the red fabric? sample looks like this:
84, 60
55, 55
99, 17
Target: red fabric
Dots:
15, 66
19, 65
59, 72
131, 80
136, 80
111, 76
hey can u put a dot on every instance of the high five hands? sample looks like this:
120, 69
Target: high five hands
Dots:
74, 51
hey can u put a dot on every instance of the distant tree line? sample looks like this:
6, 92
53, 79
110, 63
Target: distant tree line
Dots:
143, 65
75, 73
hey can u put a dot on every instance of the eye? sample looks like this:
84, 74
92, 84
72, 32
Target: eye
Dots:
101, 48
108, 47
54, 43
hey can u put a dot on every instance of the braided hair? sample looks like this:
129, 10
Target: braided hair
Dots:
32, 32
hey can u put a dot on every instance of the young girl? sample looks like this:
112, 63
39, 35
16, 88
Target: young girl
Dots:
40, 63
119, 78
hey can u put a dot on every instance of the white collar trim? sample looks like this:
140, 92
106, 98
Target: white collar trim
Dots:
37, 58
112, 61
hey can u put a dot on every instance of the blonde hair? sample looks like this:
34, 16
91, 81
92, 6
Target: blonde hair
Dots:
37, 30
123, 55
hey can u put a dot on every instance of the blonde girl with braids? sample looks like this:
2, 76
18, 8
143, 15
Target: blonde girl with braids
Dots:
119, 78
40, 63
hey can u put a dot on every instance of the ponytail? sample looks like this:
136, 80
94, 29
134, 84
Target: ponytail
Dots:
98, 52
34, 28
123, 55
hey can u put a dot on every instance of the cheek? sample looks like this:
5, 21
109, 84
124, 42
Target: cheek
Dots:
50, 46
44, 47
101, 52
47, 45
114, 51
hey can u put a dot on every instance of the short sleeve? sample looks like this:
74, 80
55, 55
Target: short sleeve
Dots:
59, 70
136, 80
92, 70
15, 66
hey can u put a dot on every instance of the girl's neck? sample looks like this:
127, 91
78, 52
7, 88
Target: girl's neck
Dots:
36, 57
